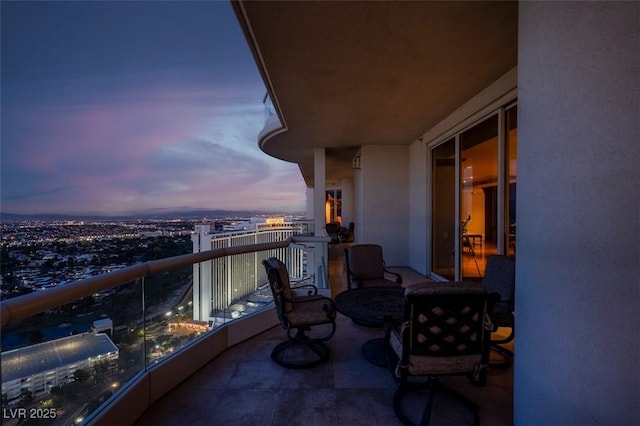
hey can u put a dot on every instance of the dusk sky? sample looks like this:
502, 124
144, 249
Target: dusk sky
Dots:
127, 107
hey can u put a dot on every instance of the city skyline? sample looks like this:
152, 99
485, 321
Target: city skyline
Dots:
115, 108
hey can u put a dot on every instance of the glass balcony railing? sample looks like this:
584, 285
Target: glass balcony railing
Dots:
272, 123
72, 353
269, 109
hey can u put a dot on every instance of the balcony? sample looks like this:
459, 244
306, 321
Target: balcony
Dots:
80, 352
224, 373
244, 385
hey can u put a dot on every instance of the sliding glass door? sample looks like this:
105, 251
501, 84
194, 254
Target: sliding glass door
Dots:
473, 197
333, 206
444, 209
478, 196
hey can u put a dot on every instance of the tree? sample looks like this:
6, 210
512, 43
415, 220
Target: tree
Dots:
81, 375
100, 371
26, 396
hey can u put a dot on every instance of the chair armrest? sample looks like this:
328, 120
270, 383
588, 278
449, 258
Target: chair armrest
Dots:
310, 289
329, 307
398, 276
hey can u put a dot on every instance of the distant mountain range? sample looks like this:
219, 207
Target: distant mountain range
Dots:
164, 215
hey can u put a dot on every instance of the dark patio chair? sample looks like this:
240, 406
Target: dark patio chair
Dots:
308, 318
445, 331
348, 232
365, 267
334, 230
500, 277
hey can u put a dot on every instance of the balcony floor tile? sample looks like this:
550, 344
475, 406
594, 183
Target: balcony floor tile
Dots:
244, 386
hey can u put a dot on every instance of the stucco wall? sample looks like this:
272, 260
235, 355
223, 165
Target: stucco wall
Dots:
347, 201
577, 296
382, 200
418, 220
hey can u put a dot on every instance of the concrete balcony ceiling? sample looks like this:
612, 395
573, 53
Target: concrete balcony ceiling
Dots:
343, 74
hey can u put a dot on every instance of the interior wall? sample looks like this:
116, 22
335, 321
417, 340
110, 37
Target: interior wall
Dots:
476, 210
577, 292
383, 204
418, 220
346, 185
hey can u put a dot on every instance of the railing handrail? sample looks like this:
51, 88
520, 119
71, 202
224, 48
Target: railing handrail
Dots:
21, 307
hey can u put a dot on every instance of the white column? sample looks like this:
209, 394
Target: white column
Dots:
577, 264
319, 174
384, 209
347, 201
309, 203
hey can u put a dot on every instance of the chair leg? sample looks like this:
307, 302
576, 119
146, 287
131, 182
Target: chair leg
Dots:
507, 339
398, 396
466, 401
300, 351
426, 413
506, 354
314, 353
433, 387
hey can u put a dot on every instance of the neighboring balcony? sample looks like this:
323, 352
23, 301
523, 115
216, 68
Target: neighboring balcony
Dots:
272, 123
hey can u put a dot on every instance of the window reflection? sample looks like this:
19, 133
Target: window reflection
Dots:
443, 209
478, 196
483, 209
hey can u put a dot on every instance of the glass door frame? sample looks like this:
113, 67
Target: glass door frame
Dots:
333, 210
502, 188
506, 178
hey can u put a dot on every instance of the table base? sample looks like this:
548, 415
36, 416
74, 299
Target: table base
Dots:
374, 351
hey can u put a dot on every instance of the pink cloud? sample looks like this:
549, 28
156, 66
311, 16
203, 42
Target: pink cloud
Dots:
100, 156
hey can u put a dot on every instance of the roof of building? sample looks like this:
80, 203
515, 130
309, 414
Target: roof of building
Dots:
30, 360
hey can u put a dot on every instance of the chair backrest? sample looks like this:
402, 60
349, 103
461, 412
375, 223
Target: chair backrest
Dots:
280, 286
500, 277
332, 228
446, 328
366, 261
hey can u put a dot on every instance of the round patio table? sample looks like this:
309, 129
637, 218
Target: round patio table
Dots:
370, 305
